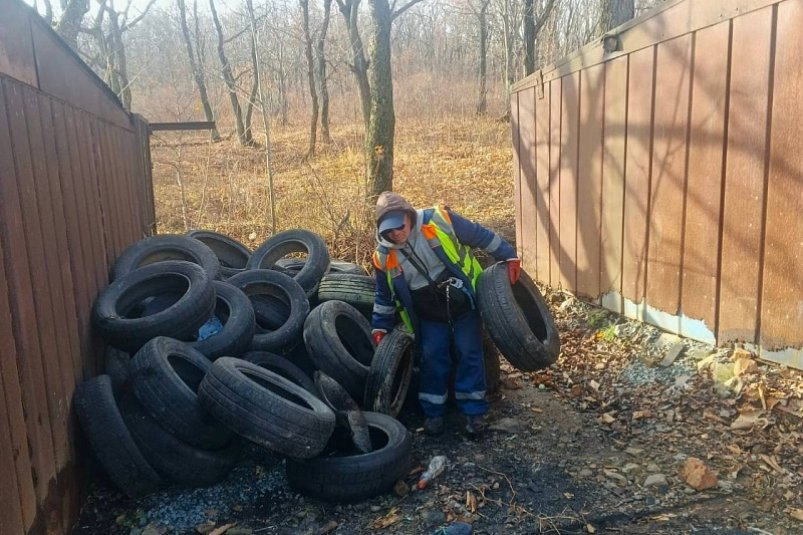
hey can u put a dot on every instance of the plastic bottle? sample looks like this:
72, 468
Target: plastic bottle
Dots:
436, 466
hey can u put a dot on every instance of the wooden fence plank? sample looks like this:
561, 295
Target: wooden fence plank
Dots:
529, 218
12, 423
554, 181
542, 199
744, 177
704, 191
37, 403
10, 507
569, 136
670, 139
782, 301
613, 181
589, 180
637, 170
517, 198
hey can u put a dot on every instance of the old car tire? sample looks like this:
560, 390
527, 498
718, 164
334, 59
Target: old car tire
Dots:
517, 319
282, 366
113, 317
111, 440
342, 266
266, 408
341, 474
338, 340
165, 377
118, 367
232, 255
295, 241
268, 283
174, 459
234, 310
166, 247
390, 373
356, 290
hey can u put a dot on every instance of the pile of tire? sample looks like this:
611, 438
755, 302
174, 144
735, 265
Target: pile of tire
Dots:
210, 343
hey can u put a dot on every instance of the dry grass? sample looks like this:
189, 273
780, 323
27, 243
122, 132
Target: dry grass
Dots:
465, 163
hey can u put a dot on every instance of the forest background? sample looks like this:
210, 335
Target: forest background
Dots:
321, 104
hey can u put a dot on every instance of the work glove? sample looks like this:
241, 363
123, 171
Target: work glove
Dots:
377, 336
513, 270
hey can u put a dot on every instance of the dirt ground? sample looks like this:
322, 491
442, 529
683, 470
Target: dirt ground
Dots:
597, 443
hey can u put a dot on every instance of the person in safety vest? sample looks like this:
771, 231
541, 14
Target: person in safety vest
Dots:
426, 273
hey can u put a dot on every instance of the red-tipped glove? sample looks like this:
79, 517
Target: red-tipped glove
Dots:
377, 336
513, 270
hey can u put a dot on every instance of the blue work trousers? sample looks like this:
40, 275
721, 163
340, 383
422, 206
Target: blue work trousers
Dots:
436, 364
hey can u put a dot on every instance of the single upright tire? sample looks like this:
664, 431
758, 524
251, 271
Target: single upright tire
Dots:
113, 316
257, 283
342, 474
234, 310
233, 255
295, 241
390, 373
518, 319
266, 408
166, 247
356, 290
166, 375
338, 339
111, 440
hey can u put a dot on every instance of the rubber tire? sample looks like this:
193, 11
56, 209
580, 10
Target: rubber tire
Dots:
356, 290
232, 255
110, 439
344, 267
266, 408
270, 311
351, 478
268, 282
338, 339
166, 375
518, 319
347, 411
234, 310
180, 321
166, 247
282, 366
389, 375
294, 241
117, 365
173, 459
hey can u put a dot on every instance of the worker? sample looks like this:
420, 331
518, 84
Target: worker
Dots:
426, 272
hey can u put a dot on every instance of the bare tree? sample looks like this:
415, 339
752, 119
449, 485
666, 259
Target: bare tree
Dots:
321, 63
195, 65
532, 27
616, 12
242, 134
310, 76
69, 25
482, 19
359, 64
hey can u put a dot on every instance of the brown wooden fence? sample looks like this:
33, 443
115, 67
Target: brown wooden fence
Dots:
75, 189
661, 172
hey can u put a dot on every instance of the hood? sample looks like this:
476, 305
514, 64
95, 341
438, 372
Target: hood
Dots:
389, 201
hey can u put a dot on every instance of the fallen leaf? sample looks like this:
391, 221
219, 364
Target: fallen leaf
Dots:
389, 519
796, 514
327, 528
697, 475
222, 529
639, 415
536, 410
608, 418
471, 501
750, 419
590, 528
772, 462
593, 384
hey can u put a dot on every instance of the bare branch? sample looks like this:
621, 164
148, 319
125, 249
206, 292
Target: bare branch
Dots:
404, 8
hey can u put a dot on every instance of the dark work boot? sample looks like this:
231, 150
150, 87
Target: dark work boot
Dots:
433, 426
475, 425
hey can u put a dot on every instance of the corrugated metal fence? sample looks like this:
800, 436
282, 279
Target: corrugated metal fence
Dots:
661, 172
75, 189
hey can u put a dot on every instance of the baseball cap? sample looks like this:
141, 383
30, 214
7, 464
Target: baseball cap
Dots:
392, 220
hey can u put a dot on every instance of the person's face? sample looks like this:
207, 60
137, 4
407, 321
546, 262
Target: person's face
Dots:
399, 235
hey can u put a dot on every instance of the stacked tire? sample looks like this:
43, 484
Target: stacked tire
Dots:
210, 343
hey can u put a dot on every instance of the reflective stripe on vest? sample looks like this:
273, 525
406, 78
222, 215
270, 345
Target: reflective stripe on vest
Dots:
439, 232
389, 263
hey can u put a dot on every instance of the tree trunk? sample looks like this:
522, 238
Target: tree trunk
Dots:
197, 71
284, 108
529, 37
310, 77
359, 66
322, 82
482, 17
70, 22
381, 129
243, 135
252, 96
616, 12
